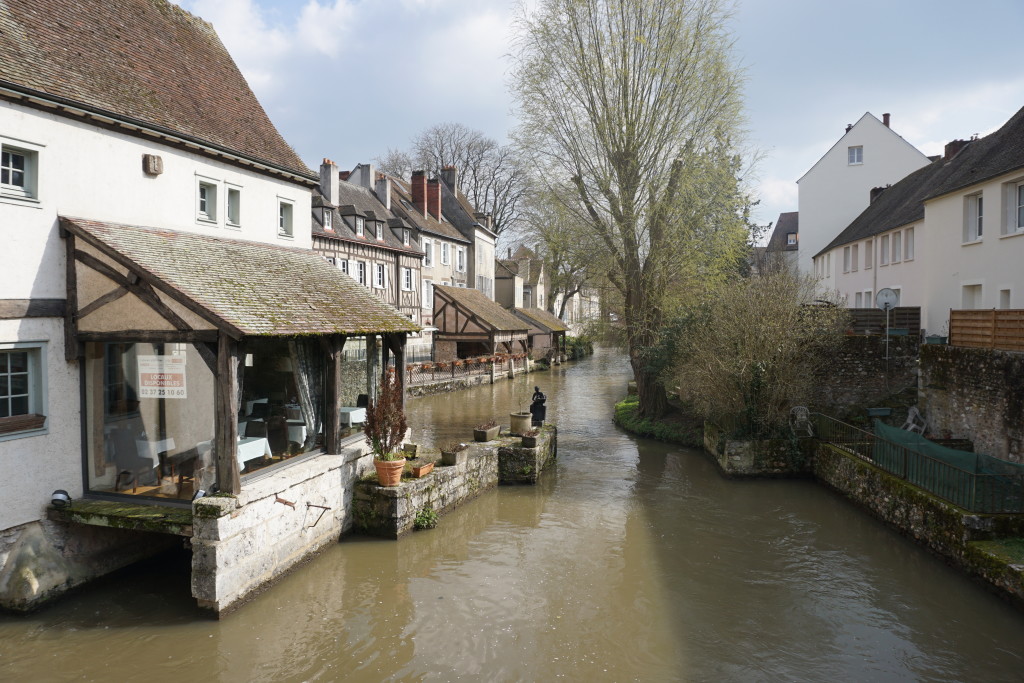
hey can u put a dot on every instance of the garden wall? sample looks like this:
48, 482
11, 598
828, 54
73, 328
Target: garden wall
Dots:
975, 394
858, 376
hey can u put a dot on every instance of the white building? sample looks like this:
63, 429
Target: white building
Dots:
837, 187
944, 237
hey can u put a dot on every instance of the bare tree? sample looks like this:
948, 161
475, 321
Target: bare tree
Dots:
396, 163
636, 103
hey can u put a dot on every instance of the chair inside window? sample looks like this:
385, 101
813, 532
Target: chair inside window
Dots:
130, 465
800, 421
362, 401
260, 411
915, 422
255, 429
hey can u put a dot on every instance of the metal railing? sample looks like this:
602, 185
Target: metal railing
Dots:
972, 491
430, 372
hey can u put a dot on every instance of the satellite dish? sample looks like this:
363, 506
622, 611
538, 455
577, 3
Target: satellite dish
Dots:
886, 299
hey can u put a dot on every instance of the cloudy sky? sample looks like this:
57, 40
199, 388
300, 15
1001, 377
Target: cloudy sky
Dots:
347, 79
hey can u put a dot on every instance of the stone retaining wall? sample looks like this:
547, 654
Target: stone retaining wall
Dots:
858, 375
391, 511
758, 458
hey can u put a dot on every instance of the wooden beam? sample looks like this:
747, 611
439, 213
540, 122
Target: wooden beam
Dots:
95, 304
71, 291
155, 336
12, 309
226, 415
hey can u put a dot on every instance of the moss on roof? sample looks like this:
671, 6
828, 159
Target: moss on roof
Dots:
547, 322
476, 302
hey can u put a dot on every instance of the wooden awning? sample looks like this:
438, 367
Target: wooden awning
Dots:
462, 314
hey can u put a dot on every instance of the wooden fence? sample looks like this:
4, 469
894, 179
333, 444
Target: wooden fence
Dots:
872, 320
1001, 329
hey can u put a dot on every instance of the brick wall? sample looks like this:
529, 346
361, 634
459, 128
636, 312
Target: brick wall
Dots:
975, 394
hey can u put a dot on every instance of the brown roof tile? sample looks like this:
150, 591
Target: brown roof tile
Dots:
148, 61
538, 317
252, 288
476, 302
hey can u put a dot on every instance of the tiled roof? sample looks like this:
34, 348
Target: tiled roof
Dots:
148, 61
357, 200
788, 222
901, 204
248, 287
476, 302
500, 265
538, 317
400, 191
993, 155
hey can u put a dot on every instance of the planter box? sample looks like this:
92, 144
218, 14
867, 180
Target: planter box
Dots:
529, 442
422, 470
457, 458
521, 423
489, 434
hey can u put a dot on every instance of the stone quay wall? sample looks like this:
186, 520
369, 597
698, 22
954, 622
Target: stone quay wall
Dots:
241, 544
975, 394
391, 511
758, 458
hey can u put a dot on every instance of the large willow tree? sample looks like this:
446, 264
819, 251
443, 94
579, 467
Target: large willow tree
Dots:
636, 104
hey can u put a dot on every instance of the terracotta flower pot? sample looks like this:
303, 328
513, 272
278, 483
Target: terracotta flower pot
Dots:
422, 470
389, 472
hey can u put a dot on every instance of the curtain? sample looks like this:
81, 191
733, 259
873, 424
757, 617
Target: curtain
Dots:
309, 366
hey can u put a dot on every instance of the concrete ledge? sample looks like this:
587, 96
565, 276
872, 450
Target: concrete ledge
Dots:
116, 515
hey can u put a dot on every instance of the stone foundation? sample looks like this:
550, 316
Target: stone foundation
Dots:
758, 458
391, 511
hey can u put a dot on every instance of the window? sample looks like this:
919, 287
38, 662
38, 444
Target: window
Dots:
18, 172
883, 251
855, 257
428, 254
858, 300
971, 296
828, 265
790, 239
1014, 209
1004, 298
284, 219
378, 275
460, 259
407, 279
428, 295
406, 236
855, 155
22, 400
360, 223
343, 265
445, 254
234, 207
897, 243
869, 302
899, 296
328, 220
975, 215
869, 252
908, 244
207, 206
380, 230
361, 272
846, 259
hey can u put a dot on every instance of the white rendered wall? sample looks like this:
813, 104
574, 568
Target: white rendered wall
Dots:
88, 172
994, 262
833, 192
907, 275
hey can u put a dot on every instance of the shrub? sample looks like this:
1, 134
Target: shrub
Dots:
425, 519
385, 424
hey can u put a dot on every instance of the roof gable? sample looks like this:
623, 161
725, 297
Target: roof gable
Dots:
868, 119
485, 310
147, 61
788, 222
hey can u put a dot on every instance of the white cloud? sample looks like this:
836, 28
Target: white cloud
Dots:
325, 29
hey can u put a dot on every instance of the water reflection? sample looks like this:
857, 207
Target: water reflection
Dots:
632, 560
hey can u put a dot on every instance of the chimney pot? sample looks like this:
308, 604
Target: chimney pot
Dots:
848, 127
885, 120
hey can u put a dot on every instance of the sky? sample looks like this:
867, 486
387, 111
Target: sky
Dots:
349, 79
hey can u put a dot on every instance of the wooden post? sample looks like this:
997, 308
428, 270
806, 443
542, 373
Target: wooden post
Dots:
71, 306
396, 342
226, 415
371, 367
335, 357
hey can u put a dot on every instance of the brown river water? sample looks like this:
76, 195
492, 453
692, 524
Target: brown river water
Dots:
632, 560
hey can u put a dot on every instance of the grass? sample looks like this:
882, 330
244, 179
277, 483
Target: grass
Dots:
676, 427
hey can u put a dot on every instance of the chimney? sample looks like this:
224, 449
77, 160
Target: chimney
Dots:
329, 181
419, 191
383, 190
434, 197
875, 193
953, 148
483, 219
510, 252
885, 120
450, 176
363, 175
848, 127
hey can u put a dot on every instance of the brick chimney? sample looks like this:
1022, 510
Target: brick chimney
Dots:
434, 197
329, 181
450, 176
953, 148
383, 190
483, 219
848, 127
875, 193
419, 191
885, 120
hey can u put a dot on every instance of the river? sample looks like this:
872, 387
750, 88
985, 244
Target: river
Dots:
632, 560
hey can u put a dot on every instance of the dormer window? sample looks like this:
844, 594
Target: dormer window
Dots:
359, 226
380, 231
791, 239
406, 236
328, 220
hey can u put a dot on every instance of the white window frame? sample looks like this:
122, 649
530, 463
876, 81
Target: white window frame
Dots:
342, 265
897, 247
361, 273
846, 259
1005, 298
28, 190
908, 244
855, 257
974, 218
407, 283
869, 254
406, 236
285, 218
360, 226
460, 259
232, 216
428, 294
328, 219
206, 200
790, 239
1014, 219
855, 155
858, 300
379, 276
428, 253
37, 386
883, 251
446, 255
380, 231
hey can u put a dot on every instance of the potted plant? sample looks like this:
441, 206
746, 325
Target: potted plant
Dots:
530, 438
453, 453
487, 431
385, 428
